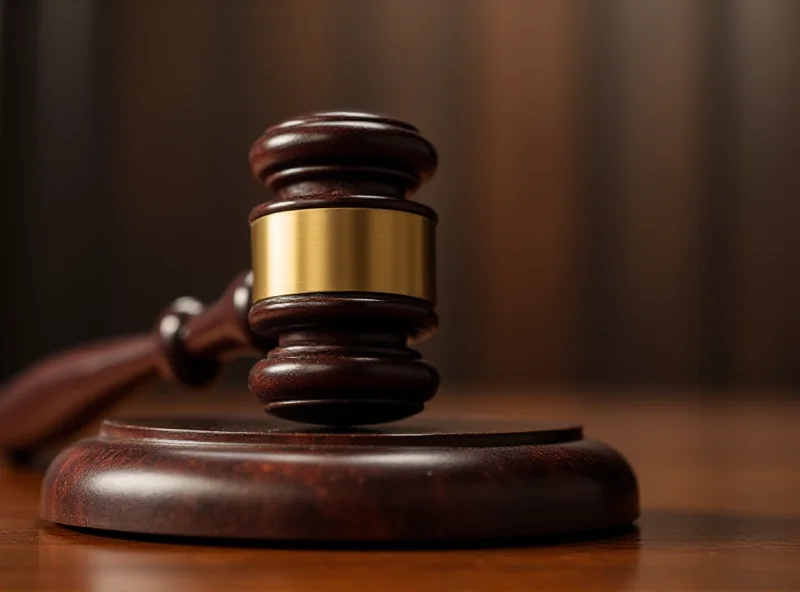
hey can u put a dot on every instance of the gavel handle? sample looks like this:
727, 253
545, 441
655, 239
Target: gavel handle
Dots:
60, 394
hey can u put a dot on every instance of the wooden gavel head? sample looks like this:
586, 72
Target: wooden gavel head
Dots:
342, 281
343, 269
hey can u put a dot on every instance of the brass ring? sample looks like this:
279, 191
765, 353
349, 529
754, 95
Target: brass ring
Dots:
343, 250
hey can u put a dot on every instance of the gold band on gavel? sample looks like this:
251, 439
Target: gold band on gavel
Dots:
343, 250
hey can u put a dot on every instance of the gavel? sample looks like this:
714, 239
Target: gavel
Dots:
342, 284
342, 280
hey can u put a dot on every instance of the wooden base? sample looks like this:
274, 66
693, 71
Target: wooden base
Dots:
266, 479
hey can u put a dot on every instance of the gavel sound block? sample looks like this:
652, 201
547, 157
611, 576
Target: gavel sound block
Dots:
342, 283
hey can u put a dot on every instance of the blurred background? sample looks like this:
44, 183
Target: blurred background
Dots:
616, 188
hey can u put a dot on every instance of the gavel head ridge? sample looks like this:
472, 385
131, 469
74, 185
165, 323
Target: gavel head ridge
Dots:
343, 269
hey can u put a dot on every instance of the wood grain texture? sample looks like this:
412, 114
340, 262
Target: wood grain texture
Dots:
720, 496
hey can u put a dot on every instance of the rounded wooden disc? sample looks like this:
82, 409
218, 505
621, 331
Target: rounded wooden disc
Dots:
442, 432
267, 479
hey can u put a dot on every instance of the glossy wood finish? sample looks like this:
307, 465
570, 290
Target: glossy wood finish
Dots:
417, 481
347, 362
343, 358
720, 493
61, 394
361, 157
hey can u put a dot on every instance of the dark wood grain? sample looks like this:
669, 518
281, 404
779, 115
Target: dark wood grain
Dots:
343, 359
719, 486
444, 480
60, 394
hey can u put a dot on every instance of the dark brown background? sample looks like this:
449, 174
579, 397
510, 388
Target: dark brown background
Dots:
618, 184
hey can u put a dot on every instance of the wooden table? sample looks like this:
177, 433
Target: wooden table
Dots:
720, 482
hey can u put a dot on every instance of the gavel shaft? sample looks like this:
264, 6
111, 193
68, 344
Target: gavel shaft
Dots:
60, 394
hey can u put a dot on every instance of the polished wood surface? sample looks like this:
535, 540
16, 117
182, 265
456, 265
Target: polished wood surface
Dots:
422, 480
720, 494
